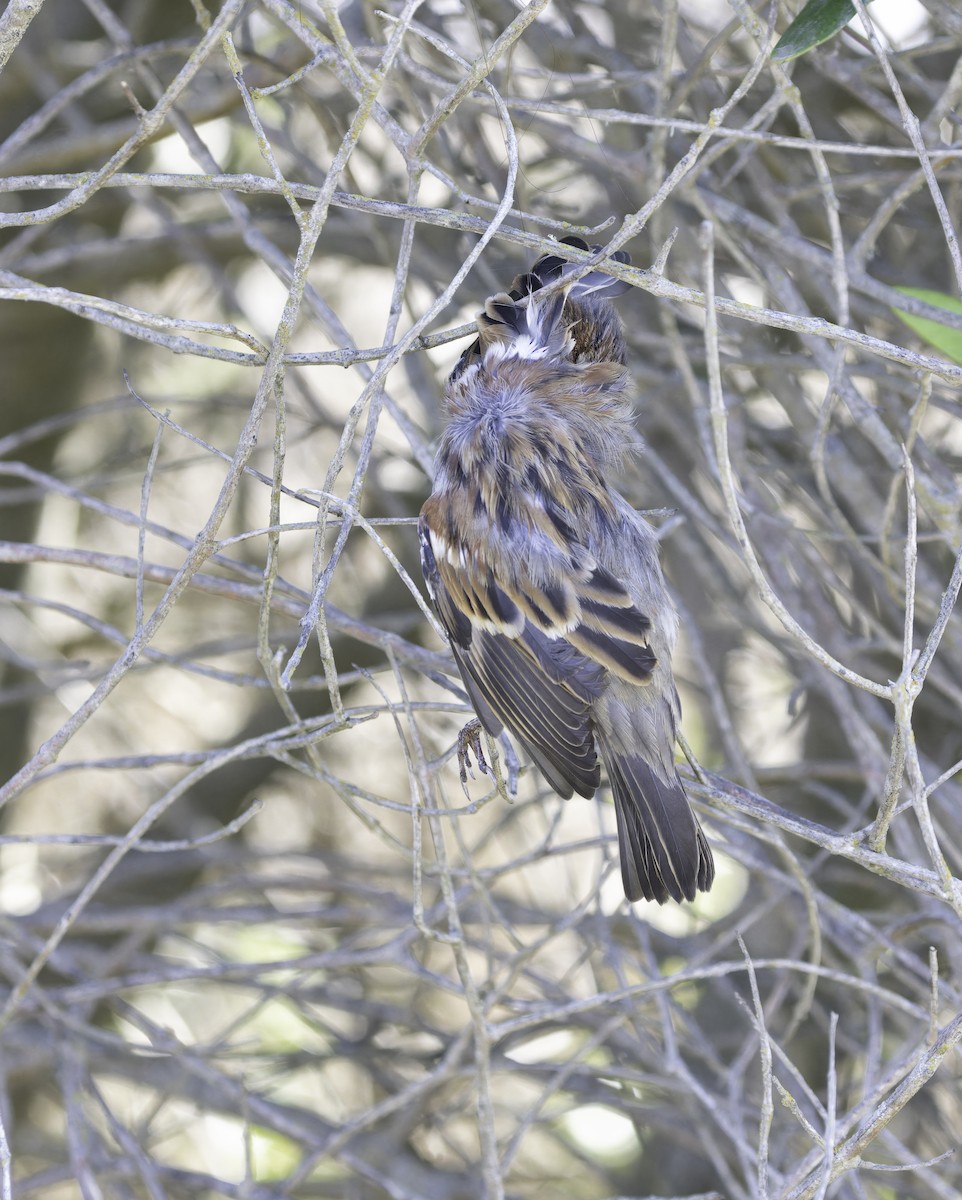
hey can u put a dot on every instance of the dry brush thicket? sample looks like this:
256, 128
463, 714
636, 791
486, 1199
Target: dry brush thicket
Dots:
258, 941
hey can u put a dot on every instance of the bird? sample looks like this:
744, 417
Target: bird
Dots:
546, 580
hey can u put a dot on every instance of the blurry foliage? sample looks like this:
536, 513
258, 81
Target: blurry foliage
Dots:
944, 339
257, 940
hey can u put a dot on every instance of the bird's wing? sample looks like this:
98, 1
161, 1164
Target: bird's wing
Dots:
535, 648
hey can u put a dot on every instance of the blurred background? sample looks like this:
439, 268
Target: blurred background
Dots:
258, 940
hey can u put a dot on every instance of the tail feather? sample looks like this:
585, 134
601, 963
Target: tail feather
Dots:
664, 853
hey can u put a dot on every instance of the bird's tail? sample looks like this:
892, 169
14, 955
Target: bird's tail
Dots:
664, 853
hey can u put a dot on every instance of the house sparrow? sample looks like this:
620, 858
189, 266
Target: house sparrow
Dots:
547, 581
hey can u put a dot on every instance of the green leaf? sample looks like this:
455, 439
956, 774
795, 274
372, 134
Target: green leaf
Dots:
942, 337
816, 23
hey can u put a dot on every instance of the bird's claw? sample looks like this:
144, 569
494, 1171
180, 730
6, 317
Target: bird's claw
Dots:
469, 742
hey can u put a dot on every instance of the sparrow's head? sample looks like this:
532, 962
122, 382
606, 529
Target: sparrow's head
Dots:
549, 317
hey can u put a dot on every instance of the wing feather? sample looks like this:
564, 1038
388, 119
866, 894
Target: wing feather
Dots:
534, 655
551, 721
576, 601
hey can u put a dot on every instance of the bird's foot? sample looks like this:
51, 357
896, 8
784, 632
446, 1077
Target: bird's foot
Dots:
469, 742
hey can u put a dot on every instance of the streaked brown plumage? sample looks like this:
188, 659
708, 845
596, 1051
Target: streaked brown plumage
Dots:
547, 581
